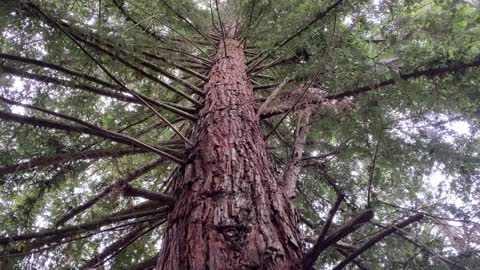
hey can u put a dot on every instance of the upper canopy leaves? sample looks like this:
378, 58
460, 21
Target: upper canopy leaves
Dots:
405, 144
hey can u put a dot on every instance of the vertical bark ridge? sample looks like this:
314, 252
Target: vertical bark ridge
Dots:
230, 213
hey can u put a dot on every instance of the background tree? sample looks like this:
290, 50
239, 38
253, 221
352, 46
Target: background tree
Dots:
203, 123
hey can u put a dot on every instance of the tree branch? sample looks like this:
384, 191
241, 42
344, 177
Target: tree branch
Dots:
74, 229
107, 190
271, 97
97, 259
246, 33
132, 66
130, 191
312, 255
357, 263
94, 90
305, 90
182, 68
422, 246
171, 28
115, 253
185, 20
331, 214
222, 28
372, 168
109, 74
294, 164
318, 17
136, 23
114, 247
378, 238
434, 72
112, 136
58, 68
167, 74
42, 162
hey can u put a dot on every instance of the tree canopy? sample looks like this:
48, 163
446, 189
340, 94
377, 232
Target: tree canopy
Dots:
376, 102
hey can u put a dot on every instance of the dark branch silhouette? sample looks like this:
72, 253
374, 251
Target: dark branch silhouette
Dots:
378, 238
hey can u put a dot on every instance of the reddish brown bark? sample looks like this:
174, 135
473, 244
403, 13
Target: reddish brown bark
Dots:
294, 164
231, 212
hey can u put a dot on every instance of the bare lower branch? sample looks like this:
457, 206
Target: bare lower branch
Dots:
132, 66
42, 162
114, 247
330, 216
110, 135
130, 191
94, 90
74, 229
118, 246
271, 97
119, 182
372, 168
434, 72
294, 164
182, 68
357, 263
58, 68
378, 238
312, 255
417, 74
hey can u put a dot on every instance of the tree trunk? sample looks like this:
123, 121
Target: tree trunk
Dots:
231, 212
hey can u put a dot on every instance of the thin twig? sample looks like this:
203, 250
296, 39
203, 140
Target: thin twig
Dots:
184, 19
222, 28
372, 168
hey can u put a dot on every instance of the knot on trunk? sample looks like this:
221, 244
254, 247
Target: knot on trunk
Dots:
236, 235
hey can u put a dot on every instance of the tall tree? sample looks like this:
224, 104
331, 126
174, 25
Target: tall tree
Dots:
239, 134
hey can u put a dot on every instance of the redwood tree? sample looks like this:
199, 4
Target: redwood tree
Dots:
239, 134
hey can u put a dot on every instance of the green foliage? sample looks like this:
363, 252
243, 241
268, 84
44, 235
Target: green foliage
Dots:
428, 151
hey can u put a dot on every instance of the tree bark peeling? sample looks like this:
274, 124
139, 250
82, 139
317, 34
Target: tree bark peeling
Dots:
230, 213
294, 165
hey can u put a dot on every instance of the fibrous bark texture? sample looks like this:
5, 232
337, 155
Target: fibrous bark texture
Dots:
230, 211
293, 167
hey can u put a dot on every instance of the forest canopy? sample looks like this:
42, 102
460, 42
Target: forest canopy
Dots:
366, 108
